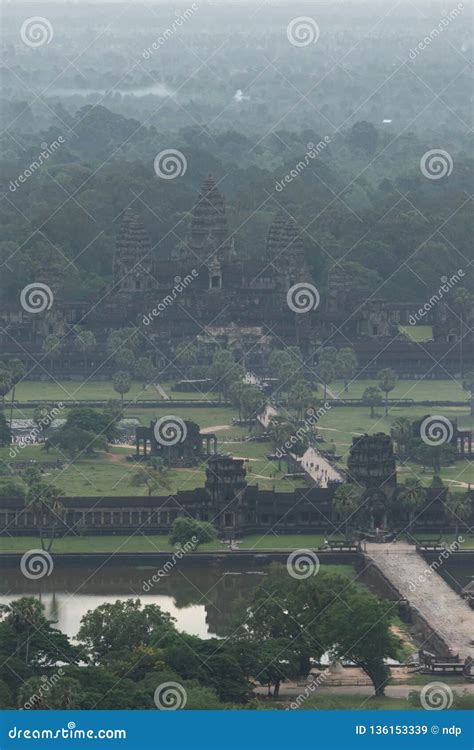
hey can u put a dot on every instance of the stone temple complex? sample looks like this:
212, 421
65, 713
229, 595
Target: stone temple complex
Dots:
213, 289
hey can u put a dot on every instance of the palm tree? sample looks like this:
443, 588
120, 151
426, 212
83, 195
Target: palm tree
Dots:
463, 300
85, 341
122, 383
372, 397
346, 365
346, 502
44, 501
17, 373
459, 507
468, 385
412, 496
387, 379
24, 615
402, 432
5, 384
279, 431
300, 397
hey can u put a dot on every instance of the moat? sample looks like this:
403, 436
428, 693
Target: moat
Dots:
206, 601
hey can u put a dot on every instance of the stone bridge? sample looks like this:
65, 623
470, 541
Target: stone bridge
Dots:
446, 613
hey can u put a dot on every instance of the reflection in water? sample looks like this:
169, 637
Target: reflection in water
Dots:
204, 600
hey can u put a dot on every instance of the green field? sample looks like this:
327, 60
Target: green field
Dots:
160, 543
94, 390
419, 390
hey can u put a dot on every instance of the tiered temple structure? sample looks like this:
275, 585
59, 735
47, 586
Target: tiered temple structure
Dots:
228, 295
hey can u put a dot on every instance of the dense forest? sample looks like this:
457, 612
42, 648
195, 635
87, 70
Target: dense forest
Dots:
104, 114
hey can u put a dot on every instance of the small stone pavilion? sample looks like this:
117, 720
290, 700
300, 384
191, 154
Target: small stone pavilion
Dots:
192, 447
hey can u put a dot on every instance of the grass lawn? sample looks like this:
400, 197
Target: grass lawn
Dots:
283, 542
417, 333
419, 390
94, 390
160, 543
355, 702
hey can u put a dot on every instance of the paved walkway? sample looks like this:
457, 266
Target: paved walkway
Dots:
446, 612
318, 468
267, 415
161, 391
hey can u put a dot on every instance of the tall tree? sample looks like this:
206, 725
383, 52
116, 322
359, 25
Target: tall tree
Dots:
44, 501
468, 386
387, 381
346, 502
346, 365
372, 397
122, 383
412, 496
463, 301
17, 371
